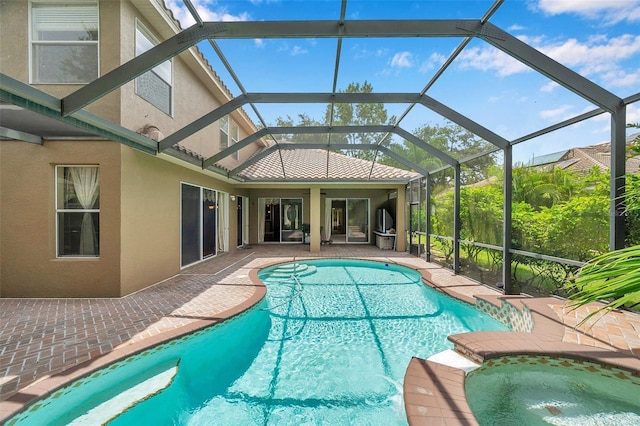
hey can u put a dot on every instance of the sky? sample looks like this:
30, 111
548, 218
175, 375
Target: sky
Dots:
598, 39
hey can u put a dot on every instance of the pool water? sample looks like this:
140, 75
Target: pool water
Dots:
329, 345
552, 395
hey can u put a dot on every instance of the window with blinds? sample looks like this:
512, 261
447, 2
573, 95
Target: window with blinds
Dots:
64, 42
154, 86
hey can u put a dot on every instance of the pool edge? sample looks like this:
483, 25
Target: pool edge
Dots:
40, 389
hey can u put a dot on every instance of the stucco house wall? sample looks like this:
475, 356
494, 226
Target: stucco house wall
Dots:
28, 229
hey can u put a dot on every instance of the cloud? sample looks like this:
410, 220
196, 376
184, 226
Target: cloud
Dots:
516, 27
633, 114
360, 52
599, 56
549, 87
593, 56
298, 50
205, 9
489, 58
259, 42
621, 78
606, 12
293, 51
402, 60
556, 114
435, 60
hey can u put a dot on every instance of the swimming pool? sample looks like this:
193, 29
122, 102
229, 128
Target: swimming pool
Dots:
329, 344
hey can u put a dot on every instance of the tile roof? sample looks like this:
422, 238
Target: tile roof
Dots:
585, 158
317, 164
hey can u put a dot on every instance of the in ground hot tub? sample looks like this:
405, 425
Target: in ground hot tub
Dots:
538, 390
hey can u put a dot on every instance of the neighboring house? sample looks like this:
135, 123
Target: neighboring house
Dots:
582, 160
93, 210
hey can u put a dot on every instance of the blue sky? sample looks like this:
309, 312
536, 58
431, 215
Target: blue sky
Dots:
599, 39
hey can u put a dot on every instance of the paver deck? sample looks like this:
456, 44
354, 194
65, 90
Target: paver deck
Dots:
47, 342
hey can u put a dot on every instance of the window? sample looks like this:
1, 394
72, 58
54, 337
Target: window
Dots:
224, 133
64, 42
154, 86
235, 132
78, 211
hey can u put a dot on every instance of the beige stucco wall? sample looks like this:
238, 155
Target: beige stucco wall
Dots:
28, 221
150, 205
14, 40
14, 52
194, 94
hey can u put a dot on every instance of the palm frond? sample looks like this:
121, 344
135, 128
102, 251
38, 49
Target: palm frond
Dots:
613, 278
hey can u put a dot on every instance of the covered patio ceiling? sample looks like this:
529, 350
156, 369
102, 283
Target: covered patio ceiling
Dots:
48, 117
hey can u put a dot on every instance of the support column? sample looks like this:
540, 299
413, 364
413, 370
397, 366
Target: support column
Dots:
617, 184
427, 213
456, 221
507, 202
314, 219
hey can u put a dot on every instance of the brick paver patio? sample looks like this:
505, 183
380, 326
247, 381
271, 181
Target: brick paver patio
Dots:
40, 338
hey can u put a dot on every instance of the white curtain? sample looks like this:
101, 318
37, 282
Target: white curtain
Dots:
261, 213
245, 219
327, 219
86, 187
223, 229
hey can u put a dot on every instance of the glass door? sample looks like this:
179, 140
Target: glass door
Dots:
190, 224
209, 220
199, 223
291, 220
357, 220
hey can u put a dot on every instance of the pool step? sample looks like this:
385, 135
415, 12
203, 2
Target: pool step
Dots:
455, 360
112, 408
299, 269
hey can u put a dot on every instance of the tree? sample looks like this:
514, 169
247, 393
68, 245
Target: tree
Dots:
543, 188
453, 140
345, 114
366, 114
303, 121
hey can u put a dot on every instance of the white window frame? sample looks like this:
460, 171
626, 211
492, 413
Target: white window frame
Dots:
224, 132
60, 209
235, 134
34, 42
163, 71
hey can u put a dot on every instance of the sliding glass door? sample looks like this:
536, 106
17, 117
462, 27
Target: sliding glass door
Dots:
203, 221
346, 220
357, 220
190, 220
280, 220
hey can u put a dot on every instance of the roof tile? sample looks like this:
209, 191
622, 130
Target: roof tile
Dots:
318, 164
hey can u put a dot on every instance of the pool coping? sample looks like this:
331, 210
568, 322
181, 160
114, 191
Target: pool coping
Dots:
434, 393
46, 386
